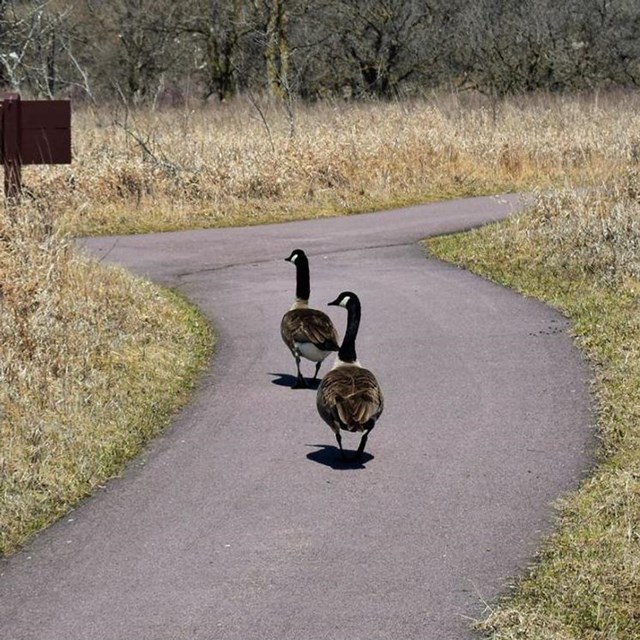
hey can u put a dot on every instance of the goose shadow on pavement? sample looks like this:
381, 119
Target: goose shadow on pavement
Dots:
329, 456
287, 380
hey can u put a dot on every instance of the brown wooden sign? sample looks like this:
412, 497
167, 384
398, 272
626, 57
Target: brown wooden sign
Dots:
32, 132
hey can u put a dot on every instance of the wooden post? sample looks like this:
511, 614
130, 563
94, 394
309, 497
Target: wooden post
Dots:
11, 147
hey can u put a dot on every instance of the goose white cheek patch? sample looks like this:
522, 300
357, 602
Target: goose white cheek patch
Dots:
344, 301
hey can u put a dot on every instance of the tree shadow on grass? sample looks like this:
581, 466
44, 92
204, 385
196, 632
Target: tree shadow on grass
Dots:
329, 456
287, 380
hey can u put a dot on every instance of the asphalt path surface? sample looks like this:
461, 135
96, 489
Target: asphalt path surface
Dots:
241, 523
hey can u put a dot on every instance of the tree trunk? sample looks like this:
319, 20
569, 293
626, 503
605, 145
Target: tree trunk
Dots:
277, 49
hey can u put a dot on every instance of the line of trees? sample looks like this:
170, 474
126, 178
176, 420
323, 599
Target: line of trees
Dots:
161, 50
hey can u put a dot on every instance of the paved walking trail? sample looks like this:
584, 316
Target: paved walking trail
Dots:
239, 523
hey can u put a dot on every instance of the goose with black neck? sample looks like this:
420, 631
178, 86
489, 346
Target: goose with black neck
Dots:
349, 397
309, 333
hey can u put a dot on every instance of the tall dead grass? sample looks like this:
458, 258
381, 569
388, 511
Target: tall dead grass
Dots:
239, 163
92, 362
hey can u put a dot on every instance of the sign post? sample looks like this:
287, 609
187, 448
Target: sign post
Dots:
11, 146
32, 132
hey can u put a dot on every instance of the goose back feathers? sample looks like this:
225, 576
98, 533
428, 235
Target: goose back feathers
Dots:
351, 399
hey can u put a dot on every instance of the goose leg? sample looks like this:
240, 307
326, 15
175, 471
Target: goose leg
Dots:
368, 428
363, 442
300, 382
315, 375
339, 439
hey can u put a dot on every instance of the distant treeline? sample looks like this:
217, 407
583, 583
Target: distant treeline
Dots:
143, 51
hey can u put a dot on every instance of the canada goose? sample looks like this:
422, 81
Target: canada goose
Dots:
349, 396
309, 333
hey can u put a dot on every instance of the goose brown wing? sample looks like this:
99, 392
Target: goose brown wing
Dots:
310, 325
351, 395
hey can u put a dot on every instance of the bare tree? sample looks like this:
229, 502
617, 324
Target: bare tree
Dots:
23, 28
136, 44
379, 48
218, 30
144, 50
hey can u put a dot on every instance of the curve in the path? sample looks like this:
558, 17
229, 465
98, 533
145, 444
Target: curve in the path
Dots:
238, 524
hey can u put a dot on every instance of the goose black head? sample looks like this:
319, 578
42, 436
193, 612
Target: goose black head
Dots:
346, 299
297, 255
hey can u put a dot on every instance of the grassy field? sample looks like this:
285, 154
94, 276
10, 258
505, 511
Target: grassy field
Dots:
74, 410
93, 363
244, 163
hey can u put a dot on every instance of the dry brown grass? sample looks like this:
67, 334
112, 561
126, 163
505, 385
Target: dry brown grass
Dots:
239, 164
92, 363
580, 252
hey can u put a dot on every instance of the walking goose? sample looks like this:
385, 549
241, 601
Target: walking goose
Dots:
309, 333
349, 397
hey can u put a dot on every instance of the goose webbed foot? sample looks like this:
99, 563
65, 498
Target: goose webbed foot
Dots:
300, 383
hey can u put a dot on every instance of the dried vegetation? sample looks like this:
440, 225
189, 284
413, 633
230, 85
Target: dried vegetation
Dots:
249, 163
92, 363
80, 342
